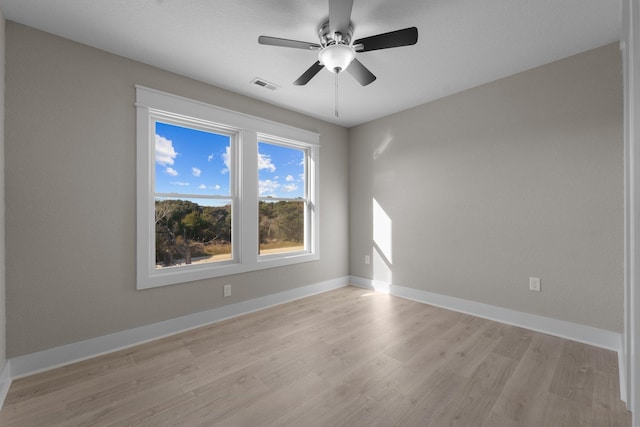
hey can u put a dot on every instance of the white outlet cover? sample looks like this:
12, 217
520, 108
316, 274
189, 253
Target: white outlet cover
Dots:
534, 284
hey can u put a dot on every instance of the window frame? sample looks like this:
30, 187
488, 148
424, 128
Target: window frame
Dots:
234, 140
248, 130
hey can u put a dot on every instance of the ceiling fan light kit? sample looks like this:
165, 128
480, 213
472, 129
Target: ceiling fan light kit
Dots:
336, 57
337, 52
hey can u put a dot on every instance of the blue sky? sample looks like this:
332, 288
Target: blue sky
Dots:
190, 161
280, 171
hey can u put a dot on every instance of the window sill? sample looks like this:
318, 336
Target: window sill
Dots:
191, 273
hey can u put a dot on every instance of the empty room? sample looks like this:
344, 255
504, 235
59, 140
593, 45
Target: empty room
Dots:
333, 213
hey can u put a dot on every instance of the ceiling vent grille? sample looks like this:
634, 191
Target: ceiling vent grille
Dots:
265, 84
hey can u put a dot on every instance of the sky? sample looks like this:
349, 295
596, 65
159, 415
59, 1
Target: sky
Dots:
191, 161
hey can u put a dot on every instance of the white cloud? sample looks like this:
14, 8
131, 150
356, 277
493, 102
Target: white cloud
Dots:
289, 188
216, 187
268, 187
289, 178
226, 157
165, 153
210, 157
180, 183
171, 171
264, 162
202, 187
196, 171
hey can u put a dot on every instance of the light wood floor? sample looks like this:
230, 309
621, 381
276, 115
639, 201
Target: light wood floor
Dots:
349, 357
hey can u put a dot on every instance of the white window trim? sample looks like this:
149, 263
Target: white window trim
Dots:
151, 103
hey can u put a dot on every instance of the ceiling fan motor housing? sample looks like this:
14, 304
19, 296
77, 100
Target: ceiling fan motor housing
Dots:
328, 38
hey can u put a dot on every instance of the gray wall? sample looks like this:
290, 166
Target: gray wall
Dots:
483, 189
3, 316
70, 175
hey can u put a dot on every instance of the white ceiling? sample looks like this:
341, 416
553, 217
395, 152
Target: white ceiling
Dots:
461, 43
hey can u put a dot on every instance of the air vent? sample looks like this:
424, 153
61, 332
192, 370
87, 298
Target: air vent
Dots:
265, 84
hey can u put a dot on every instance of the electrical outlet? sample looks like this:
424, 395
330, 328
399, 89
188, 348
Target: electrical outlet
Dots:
367, 259
227, 290
534, 284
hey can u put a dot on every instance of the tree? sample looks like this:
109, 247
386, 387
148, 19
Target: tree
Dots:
282, 221
183, 228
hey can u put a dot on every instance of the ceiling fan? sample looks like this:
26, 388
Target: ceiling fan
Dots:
337, 51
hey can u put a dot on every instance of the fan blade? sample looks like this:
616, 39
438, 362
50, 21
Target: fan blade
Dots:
274, 41
340, 15
360, 73
405, 37
309, 74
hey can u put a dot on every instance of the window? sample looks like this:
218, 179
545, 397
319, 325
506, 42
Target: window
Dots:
220, 192
283, 204
193, 193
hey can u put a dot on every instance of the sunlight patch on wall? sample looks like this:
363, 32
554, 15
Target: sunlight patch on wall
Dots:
382, 231
383, 146
382, 245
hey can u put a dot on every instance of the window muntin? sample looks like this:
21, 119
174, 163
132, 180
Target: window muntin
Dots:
240, 199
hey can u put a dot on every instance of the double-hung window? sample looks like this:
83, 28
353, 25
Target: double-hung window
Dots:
284, 205
220, 192
194, 192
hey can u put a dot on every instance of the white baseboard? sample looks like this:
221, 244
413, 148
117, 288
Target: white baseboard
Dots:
5, 382
572, 331
32, 363
622, 369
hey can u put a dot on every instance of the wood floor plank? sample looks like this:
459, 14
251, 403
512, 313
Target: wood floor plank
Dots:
514, 342
441, 355
406, 349
440, 391
565, 412
129, 389
520, 400
212, 401
608, 409
337, 402
478, 395
574, 376
349, 357
377, 412
276, 404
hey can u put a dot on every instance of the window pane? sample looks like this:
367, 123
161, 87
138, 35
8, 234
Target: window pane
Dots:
281, 226
191, 161
281, 171
192, 231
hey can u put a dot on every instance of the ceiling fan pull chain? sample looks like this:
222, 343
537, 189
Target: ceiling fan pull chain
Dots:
337, 95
